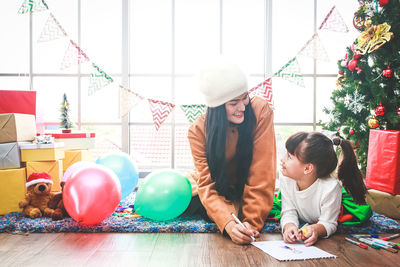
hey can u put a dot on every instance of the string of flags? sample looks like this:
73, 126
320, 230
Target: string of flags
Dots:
160, 110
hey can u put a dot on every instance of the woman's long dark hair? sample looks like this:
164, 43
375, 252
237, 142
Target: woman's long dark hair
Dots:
317, 149
216, 132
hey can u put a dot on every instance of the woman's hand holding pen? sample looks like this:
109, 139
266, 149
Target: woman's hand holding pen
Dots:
239, 234
290, 233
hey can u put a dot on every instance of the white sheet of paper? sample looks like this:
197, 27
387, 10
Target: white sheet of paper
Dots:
288, 252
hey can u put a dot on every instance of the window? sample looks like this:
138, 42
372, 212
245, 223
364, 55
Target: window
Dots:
154, 48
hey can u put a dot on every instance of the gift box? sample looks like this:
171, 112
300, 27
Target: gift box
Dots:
10, 157
16, 127
384, 203
42, 152
12, 101
12, 189
75, 140
383, 165
54, 168
73, 156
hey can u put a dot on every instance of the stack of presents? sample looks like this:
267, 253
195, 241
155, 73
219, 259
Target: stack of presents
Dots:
23, 151
383, 172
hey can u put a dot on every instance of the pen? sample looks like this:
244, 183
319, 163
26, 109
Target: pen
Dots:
391, 237
301, 229
371, 242
241, 224
357, 236
386, 243
361, 245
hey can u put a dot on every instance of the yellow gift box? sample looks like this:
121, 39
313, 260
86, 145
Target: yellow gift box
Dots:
73, 156
54, 168
12, 189
42, 152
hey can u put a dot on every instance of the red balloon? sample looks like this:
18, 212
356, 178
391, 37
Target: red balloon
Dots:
92, 194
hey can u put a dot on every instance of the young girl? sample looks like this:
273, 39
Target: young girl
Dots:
309, 193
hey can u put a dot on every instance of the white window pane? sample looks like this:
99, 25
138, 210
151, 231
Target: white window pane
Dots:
156, 88
292, 102
243, 33
151, 148
108, 139
14, 83
324, 92
102, 33
102, 106
292, 27
14, 38
151, 37
49, 96
196, 34
183, 154
48, 56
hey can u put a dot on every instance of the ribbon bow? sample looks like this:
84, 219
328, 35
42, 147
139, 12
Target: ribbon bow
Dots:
373, 38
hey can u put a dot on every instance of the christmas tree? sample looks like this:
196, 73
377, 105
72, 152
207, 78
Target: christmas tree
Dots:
65, 113
368, 85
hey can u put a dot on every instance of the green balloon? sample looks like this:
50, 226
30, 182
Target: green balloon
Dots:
163, 195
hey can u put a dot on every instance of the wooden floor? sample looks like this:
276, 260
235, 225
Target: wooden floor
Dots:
130, 249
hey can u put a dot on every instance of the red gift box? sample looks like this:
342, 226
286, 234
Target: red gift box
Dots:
12, 101
383, 165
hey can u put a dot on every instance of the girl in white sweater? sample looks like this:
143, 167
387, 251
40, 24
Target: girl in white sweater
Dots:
309, 193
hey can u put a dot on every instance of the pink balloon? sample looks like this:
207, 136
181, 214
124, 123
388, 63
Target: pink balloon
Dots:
92, 194
76, 166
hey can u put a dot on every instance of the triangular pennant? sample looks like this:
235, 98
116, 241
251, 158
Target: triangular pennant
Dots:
32, 6
160, 111
263, 90
192, 112
313, 48
52, 30
98, 79
291, 72
127, 100
73, 56
334, 22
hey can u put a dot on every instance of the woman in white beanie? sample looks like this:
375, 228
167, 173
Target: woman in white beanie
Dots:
233, 148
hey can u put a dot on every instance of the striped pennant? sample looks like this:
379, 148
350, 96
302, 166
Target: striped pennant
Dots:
334, 22
291, 72
98, 79
192, 112
32, 6
73, 56
127, 100
314, 49
263, 90
52, 30
160, 111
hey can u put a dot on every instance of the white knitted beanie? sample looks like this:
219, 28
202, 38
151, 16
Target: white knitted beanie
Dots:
221, 81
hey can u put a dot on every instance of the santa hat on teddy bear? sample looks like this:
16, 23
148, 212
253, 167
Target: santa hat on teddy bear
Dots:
38, 177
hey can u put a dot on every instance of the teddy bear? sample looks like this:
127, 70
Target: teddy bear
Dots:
38, 194
56, 203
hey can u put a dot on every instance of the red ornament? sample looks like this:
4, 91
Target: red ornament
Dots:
388, 73
340, 72
380, 110
398, 111
352, 64
351, 132
373, 123
383, 2
356, 56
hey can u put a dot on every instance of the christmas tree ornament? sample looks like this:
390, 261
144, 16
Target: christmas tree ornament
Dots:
373, 38
343, 63
340, 72
398, 111
351, 132
383, 2
352, 64
65, 122
380, 110
356, 56
388, 73
373, 123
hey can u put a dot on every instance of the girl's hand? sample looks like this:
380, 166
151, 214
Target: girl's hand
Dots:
311, 235
240, 235
290, 233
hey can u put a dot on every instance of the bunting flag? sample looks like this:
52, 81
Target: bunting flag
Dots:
313, 48
127, 100
74, 55
291, 72
160, 111
192, 112
334, 22
52, 30
98, 79
263, 90
32, 6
